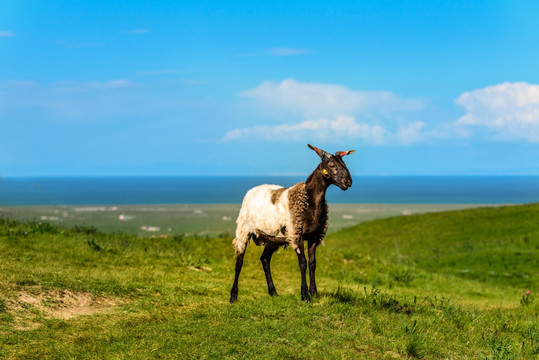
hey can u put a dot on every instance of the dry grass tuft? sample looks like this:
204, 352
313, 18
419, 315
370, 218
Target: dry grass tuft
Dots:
30, 304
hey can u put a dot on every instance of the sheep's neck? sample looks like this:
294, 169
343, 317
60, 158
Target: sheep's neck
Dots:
316, 186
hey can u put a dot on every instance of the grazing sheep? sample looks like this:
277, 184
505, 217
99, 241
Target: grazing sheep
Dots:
273, 216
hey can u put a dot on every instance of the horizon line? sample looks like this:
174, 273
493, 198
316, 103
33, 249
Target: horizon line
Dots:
254, 175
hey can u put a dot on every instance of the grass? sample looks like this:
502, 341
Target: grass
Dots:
437, 285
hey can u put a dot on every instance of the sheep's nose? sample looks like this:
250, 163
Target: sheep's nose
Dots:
349, 183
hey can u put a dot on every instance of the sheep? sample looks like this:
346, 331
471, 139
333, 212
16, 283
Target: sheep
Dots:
274, 216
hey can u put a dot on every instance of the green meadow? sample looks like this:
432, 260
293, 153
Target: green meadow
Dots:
438, 285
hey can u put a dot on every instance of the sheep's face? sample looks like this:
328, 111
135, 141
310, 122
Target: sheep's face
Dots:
334, 169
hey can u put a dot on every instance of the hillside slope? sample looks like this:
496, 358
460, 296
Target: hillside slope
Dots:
436, 286
499, 245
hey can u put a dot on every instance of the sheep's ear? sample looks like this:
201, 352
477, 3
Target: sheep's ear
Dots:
324, 155
343, 153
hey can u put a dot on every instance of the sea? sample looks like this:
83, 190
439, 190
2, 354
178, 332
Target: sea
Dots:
132, 190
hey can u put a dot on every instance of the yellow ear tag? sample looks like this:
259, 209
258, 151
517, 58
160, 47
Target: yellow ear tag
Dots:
325, 172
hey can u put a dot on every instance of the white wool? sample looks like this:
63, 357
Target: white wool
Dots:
261, 216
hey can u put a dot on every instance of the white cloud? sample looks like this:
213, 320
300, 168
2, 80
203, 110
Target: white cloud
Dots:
114, 84
287, 51
74, 87
509, 111
324, 129
327, 100
66, 100
329, 113
410, 133
6, 33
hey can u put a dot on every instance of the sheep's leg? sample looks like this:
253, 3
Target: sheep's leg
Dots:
265, 259
303, 268
312, 268
234, 291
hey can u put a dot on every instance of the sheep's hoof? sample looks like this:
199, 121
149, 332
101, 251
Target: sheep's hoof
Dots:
233, 298
306, 300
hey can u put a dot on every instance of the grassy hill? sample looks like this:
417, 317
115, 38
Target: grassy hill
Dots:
438, 285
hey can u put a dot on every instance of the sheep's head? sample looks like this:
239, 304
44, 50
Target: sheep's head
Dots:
333, 167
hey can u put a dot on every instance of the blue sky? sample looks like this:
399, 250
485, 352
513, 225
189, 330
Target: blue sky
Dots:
224, 88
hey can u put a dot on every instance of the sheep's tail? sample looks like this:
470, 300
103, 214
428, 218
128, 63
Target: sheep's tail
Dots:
241, 241
243, 236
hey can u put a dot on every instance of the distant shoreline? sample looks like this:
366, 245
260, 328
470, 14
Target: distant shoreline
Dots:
204, 219
105, 207
86, 191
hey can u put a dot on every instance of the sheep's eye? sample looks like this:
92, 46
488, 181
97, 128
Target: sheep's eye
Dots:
331, 165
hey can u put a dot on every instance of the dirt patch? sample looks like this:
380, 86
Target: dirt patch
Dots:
28, 305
